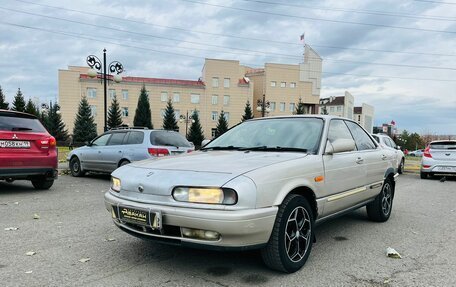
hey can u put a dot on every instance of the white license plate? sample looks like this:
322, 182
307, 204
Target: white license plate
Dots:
445, 168
14, 144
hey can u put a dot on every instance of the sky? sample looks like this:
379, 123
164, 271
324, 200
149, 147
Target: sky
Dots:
396, 55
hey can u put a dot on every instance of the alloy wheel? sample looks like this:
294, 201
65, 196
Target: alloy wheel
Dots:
297, 234
387, 198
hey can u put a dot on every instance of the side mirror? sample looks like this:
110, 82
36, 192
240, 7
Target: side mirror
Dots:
398, 147
87, 143
205, 142
340, 145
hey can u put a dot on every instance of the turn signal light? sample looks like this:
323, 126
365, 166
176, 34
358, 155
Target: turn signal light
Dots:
427, 152
158, 151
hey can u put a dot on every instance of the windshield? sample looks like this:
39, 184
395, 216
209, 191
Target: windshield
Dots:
287, 134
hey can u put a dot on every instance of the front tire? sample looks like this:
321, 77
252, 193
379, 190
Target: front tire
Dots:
75, 167
291, 239
379, 210
42, 184
400, 169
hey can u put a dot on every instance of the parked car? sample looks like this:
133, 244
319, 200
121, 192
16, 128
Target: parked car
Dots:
439, 157
122, 146
27, 150
264, 184
386, 142
418, 152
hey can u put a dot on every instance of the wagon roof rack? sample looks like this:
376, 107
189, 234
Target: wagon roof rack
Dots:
128, 128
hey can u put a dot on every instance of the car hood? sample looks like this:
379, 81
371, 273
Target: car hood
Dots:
211, 168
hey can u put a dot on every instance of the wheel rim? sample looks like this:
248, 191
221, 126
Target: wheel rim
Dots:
75, 166
297, 234
387, 198
401, 167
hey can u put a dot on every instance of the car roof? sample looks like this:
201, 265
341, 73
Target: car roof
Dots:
442, 141
8, 113
326, 117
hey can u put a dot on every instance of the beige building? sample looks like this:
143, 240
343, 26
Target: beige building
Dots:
364, 115
225, 85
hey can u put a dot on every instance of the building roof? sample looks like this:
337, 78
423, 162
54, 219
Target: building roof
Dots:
358, 110
156, 81
338, 101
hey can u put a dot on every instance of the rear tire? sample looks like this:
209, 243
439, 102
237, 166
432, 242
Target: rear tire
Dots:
75, 167
423, 175
292, 236
124, 162
400, 169
380, 209
42, 184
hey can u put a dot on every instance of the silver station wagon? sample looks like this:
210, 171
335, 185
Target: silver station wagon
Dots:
263, 184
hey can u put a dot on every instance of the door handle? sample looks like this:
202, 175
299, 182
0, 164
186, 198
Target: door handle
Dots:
99, 151
119, 151
359, 160
384, 157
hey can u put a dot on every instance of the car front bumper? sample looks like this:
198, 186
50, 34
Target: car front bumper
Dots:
238, 229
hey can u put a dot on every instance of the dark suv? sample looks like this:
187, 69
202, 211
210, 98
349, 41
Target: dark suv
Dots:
27, 150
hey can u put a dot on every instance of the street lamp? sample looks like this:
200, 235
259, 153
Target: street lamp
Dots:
99, 68
187, 119
263, 106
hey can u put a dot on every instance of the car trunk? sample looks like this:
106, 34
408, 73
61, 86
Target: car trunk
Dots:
443, 150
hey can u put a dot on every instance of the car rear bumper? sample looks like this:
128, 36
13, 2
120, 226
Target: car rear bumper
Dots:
241, 229
438, 166
27, 173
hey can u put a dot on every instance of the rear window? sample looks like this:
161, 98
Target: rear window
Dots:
443, 145
168, 138
15, 123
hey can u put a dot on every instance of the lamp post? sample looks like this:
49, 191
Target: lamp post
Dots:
263, 106
99, 68
186, 119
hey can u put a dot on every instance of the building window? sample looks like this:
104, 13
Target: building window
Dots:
176, 97
112, 94
331, 109
226, 100
177, 114
164, 96
339, 108
282, 107
226, 82
292, 85
273, 83
283, 84
162, 113
272, 106
215, 82
227, 116
214, 99
292, 107
214, 116
213, 132
91, 93
125, 94
124, 112
359, 118
93, 111
195, 98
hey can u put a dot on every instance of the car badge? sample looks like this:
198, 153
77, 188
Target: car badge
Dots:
140, 188
15, 137
150, 173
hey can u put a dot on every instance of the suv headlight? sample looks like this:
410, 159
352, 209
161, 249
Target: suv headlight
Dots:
207, 195
115, 184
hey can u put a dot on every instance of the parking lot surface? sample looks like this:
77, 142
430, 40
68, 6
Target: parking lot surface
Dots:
69, 224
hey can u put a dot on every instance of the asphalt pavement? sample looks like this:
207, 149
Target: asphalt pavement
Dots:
76, 244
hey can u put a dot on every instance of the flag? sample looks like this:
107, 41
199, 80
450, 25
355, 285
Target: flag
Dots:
302, 37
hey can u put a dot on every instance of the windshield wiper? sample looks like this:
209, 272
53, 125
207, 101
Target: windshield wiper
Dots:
276, 148
20, 129
230, 147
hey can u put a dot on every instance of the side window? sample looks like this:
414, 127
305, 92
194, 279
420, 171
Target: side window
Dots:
102, 140
117, 138
392, 143
338, 130
135, 137
362, 140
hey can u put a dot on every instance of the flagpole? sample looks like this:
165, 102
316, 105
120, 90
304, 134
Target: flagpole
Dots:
303, 46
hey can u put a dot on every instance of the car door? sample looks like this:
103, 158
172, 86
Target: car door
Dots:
112, 153
90, 158
344, 172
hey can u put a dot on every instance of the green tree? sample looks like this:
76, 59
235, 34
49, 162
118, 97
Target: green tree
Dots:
84, 124
248, 114
195, 133
169, 120
55, 125
114, 114
143, 115
222, 125
3, 104
300, 108
31, 108
19, 102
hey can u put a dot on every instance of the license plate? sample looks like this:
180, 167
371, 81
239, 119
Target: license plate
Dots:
446, 168
140, 216
14, 144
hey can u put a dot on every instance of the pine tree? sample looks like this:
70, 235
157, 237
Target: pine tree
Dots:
55, 125
3, 104
84, 125
143, 117
19, 102
114, 114
248, 114
300, 108
195, 133
222, 125
31, 108
169, 120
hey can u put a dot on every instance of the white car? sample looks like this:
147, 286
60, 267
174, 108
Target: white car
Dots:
264, 184
386, 142
439, 158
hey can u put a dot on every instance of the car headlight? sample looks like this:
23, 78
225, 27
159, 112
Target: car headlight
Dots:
115, 184
205, 195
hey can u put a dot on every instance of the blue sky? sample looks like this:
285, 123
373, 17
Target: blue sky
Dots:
397, 39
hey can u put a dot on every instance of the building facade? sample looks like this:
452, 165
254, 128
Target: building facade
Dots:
364, 115
224, 85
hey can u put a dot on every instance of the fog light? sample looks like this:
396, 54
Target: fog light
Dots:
113, 213
200, 234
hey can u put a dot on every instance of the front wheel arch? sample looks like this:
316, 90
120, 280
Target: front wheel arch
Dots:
308, 194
